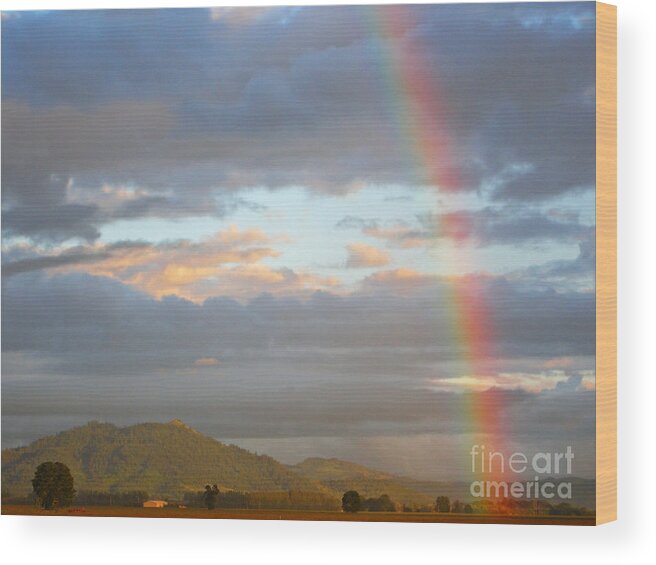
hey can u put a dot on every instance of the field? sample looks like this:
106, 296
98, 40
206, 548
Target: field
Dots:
242, 514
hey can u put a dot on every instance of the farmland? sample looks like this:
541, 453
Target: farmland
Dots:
251, 514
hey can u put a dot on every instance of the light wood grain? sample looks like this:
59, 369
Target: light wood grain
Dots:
606, 277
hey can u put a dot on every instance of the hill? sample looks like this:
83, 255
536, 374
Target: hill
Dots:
341, 475
166, 460
161, 459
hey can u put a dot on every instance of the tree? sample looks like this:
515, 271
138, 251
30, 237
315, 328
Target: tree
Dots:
53, 485
381, 504
457, 507
442, 504
211, 496
385, 504
468, 509
351, 501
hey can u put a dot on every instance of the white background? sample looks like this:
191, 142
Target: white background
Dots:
631, 538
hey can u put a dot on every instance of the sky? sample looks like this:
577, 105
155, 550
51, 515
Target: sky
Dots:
361, 232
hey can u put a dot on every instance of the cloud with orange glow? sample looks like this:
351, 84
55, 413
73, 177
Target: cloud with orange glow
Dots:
228, 263
400, 280
206, 362
361, 255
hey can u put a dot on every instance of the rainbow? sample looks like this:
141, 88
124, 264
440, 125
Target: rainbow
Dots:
416, 102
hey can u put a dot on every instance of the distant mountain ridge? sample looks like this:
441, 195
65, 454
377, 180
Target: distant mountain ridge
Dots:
341, 475
161, 459
168, 459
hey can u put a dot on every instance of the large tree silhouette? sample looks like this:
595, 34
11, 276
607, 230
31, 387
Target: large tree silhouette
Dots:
53, 485
351, 501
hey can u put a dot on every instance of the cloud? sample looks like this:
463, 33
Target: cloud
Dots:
401, 312
395, 234
574, 274
48, 262
509, 226
56, 223
323, 354
238, 16
347, 421
558, 363
361, 255
400, 280
229, 262
190, 111
480, 227
285, 101
532, 383
348, 222
206, 362
588, 383
400, 236
38, 168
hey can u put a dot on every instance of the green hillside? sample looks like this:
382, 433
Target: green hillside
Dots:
322, 469
343, 475
166, 460
161, 459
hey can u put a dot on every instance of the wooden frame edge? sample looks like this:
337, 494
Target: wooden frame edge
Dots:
606, 263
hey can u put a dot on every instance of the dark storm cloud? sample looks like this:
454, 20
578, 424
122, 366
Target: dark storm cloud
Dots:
52, 223
40, 263
414, 432
22, 259
364, 371
77, 348
224, 409
521, 95
577, 273
584, 264
174, 100
92, 325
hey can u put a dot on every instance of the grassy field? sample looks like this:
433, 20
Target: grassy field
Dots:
242, 514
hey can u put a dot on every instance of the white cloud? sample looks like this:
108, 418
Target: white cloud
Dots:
528, 382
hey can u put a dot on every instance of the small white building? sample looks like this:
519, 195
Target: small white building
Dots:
155, 504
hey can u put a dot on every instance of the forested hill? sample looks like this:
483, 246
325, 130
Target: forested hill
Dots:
167, 460
161, 459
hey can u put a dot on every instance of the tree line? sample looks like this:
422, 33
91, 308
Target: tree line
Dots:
353, 502
53, 487
508, 506
211, 497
